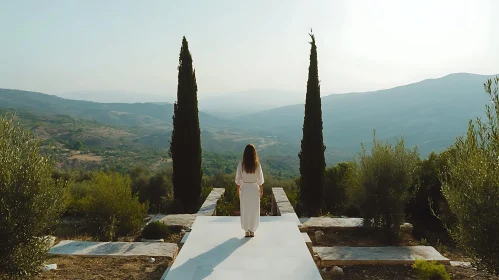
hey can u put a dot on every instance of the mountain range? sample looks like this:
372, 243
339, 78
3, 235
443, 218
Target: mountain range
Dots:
429, 114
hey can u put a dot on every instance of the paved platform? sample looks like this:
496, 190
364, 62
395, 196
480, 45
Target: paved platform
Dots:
114, 249
217, 249
390, 255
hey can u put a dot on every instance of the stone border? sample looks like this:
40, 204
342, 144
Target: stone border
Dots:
210, 204
282, 207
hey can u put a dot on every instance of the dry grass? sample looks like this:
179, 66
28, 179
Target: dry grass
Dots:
401, 272
83, 268
86, 157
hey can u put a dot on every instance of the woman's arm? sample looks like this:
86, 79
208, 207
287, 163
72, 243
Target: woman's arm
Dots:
261, 190
238, 190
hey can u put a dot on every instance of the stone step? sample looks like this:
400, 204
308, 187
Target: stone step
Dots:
114, 249
183, 221
390, 255
314, 223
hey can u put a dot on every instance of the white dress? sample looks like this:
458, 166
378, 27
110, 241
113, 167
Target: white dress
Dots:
250, 197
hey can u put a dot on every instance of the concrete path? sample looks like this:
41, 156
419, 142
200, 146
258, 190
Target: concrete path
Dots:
114, 249
390, 255
217, 249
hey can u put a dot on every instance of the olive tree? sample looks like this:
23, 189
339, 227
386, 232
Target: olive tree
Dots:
383, 179
472, 186
30, 200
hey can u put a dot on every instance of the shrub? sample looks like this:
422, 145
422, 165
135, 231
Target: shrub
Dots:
336, 181
428, 208
472, 187
111, 210
383, 180
430, 270
155, 230
30, 200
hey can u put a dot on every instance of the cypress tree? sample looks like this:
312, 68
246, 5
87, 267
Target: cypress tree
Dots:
185, 144
312, 161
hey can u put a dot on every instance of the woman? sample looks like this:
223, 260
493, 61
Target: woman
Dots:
249, 180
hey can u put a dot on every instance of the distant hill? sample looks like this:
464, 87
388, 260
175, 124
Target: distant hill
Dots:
120, 114
115, 96
429, 114
235, 104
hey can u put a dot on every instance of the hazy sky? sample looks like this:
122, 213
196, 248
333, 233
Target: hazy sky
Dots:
61, 46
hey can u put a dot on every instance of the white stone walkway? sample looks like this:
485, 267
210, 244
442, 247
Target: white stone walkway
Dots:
217, 249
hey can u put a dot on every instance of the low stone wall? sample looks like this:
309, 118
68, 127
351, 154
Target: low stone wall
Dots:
282, 207
210, 204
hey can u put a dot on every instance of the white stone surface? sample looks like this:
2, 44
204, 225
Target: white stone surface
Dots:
377, 255
114, 249
182, 220
217, 249
210, 204
332, 223
460, 264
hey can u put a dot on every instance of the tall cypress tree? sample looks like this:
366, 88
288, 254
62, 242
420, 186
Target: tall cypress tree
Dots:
312, 161
185, 144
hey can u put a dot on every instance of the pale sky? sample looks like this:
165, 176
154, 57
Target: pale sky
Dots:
58, 46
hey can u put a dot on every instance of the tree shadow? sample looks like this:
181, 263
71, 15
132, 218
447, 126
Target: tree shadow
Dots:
201, 266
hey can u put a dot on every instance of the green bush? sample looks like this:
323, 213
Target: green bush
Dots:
112, 210
155, 230
472, 187
30, 201
383, 178
336, 180
430, 270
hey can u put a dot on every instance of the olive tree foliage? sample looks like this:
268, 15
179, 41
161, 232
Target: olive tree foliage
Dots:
30, 201
472, 186
112, 211
381, 185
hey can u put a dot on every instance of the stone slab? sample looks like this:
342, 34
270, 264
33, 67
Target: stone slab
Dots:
331, 223
114, 249
210, 204
184, 221
390, 255
217, 249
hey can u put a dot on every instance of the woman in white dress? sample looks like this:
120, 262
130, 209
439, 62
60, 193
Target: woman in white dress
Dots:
249, 180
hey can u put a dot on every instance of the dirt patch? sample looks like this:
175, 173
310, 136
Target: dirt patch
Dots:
402, 272
361, 237
86, 157
83, 268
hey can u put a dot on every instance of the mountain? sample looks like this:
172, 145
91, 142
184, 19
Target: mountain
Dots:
235, 104
142, 115
112, 96
429, 114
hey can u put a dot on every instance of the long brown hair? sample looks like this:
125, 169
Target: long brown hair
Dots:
250, 159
